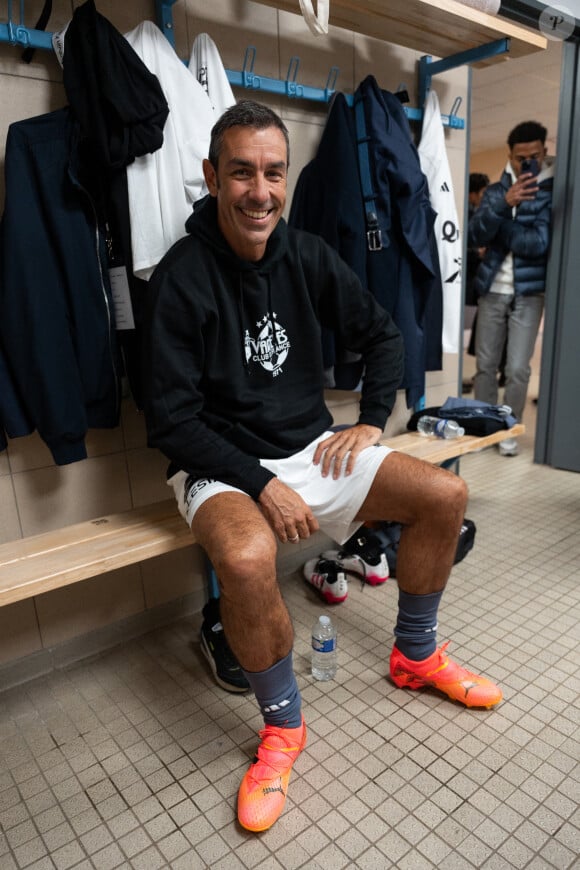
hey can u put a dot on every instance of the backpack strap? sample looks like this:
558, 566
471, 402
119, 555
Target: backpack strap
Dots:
28, 52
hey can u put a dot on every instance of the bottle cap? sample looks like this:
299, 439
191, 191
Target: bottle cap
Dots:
460, 431
325, 620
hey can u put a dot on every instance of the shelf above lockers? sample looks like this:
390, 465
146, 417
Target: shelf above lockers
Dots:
441, 28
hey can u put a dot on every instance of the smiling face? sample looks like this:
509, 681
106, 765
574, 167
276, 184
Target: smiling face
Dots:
250, 187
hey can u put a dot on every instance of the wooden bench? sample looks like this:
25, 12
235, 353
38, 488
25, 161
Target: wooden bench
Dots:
439, 450
40, 563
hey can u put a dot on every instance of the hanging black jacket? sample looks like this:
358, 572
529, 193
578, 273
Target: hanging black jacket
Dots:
404, 275
121, 110
13, 420
327, 201
57, 322
118, 103
233, 356
56, 309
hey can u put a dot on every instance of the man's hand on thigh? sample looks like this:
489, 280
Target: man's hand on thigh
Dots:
286, 512
344, 445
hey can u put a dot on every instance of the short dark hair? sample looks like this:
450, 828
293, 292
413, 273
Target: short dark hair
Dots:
246, 113
477, 181
527, 131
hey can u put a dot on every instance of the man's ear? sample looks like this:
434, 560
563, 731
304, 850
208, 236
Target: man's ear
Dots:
210, 176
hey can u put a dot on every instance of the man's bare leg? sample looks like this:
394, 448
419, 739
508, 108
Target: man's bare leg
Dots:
430, 503
242, 549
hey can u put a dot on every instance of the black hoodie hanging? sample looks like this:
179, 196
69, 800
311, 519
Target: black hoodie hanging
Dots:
118, 103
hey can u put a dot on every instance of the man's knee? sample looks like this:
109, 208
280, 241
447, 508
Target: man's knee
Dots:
445, 493
454, 497
247, 560
458, 492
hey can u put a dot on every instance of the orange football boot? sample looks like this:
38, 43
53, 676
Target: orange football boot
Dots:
262, 794
440, 672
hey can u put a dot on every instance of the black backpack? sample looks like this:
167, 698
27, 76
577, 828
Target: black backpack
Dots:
385, 537
477, 418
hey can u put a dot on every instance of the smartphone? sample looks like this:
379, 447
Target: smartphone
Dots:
531, 165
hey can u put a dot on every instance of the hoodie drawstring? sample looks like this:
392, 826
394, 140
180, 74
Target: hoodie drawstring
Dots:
246, 350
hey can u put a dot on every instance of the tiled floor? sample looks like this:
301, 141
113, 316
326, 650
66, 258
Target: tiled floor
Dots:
133, 760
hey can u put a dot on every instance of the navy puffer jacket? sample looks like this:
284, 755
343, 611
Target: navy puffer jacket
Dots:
526, 234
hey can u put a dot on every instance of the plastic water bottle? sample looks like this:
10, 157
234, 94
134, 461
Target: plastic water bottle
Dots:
324, 649
438, 426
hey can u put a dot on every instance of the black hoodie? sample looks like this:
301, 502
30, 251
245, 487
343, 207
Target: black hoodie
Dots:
233, 360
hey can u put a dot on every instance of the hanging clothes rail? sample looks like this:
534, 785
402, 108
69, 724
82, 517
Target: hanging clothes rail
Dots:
17, 33
289, 86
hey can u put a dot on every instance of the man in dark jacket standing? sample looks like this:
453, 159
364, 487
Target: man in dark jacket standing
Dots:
236, 401
513, 225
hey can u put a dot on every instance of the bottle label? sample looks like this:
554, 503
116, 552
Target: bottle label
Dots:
440, 428
324, 646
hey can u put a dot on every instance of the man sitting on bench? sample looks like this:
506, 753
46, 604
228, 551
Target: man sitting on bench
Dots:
235, 400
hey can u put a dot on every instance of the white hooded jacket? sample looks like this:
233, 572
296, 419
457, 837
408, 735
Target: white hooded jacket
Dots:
435, 165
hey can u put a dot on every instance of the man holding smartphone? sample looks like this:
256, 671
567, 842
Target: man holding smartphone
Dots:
513, 224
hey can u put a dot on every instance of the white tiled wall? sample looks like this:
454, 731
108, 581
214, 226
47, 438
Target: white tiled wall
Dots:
121, 471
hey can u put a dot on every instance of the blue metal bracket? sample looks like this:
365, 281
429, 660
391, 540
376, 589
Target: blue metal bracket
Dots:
429, 68
18, 34
212, 581
164, 18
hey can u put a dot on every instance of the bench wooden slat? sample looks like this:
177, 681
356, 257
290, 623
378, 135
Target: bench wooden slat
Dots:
40, 563
88, 530
437, 450
50, 560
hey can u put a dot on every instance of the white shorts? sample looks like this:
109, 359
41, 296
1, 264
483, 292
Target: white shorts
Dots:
334, 503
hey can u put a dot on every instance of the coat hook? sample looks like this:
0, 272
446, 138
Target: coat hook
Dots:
456, 104
292, 69
332, 78
248, 77
292, 89
249, 59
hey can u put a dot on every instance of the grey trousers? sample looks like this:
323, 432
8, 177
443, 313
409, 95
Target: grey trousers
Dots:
516, 318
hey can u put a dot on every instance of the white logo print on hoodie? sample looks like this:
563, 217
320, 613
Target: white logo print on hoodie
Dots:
271, 346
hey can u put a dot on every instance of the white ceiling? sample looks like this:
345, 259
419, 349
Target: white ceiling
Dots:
523, 89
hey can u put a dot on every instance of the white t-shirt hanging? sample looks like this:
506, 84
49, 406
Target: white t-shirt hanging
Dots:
164, 185
435, 165
206, 65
